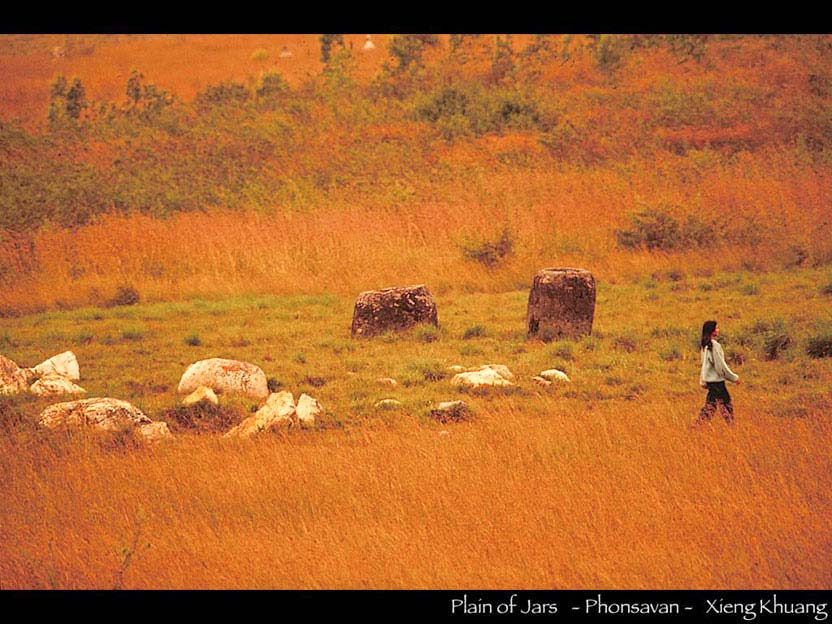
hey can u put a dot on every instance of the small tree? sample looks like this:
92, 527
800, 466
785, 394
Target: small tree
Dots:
409, 49
327, 42
502, 64
76, 99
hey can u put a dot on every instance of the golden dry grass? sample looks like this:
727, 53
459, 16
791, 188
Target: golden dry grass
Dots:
622, 497
556, 218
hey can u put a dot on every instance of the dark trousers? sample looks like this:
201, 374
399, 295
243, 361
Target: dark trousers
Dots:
718, 399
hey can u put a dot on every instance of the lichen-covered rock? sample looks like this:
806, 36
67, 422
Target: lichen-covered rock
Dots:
154, 432
307, 410
64, 364
554, 374
448, 411
561, 304
493, 375
13, 378
221, 375
103, 414
201, 394
53, 384
397, 308
387, 381
277, 412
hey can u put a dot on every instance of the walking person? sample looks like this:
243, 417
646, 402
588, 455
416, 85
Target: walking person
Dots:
714, 373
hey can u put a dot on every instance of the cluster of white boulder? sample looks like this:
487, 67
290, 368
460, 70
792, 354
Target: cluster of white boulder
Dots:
203, 380
52, 377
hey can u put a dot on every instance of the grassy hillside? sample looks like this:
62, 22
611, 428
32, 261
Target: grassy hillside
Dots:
708, 150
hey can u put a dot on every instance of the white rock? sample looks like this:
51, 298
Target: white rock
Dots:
554, 374
224, 375
103, 414
501, 369
53, 384
65, 364
388, 404
277, 411
456, 368
13, 378
483, 378
540, 381
307, 410
203, 393
387, 381
154, 432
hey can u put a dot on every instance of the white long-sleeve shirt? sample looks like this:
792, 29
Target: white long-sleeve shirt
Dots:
714, 367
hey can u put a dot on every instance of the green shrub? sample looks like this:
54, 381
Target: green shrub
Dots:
489, 253
475, 331
656, 229
427, 334
224, 94
193, 340
774, 344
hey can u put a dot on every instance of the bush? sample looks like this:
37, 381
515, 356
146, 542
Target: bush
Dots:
472, 109
475, 331
202, 417
774, 344
657, 230
125, 295
222, 95
489, 253
820, 345
193, 340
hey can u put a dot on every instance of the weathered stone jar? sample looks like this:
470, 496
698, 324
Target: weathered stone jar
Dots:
397, 308
561, 304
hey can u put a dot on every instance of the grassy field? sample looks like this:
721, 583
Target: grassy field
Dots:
601, 482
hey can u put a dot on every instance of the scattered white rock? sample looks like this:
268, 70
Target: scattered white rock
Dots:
277, 411
154, 432
368, 45
485, 377
554, 374
103, 414
13, 378
456, 368
53, 384
307, 410
387, 381
540, 381
203, 393
224, 375
388, 404
65, 364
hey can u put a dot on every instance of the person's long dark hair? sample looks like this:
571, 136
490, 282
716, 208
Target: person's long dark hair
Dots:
708, 328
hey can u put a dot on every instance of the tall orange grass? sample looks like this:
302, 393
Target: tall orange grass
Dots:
555, 217
621, 497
